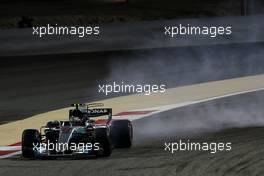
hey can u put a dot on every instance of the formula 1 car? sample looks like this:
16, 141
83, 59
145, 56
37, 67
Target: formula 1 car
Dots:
86, 133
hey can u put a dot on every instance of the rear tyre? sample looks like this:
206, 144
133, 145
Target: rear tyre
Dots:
30, 137
121, 133
102, 137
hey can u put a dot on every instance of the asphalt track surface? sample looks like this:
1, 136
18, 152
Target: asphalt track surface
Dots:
147, 156
236, 119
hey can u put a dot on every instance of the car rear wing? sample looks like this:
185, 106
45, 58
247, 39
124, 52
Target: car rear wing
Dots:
96, 112
90, 105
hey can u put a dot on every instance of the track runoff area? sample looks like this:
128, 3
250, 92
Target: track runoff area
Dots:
136, 106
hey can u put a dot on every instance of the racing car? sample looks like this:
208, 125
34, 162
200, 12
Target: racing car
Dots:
89, 131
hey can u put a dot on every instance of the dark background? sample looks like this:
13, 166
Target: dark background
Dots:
100, 11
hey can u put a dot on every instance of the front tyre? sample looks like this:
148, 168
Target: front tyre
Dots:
30, 137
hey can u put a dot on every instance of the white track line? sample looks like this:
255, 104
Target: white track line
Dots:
160, 109
10, 148
10, 155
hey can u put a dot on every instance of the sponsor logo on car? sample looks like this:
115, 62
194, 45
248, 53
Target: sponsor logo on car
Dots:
97, 111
